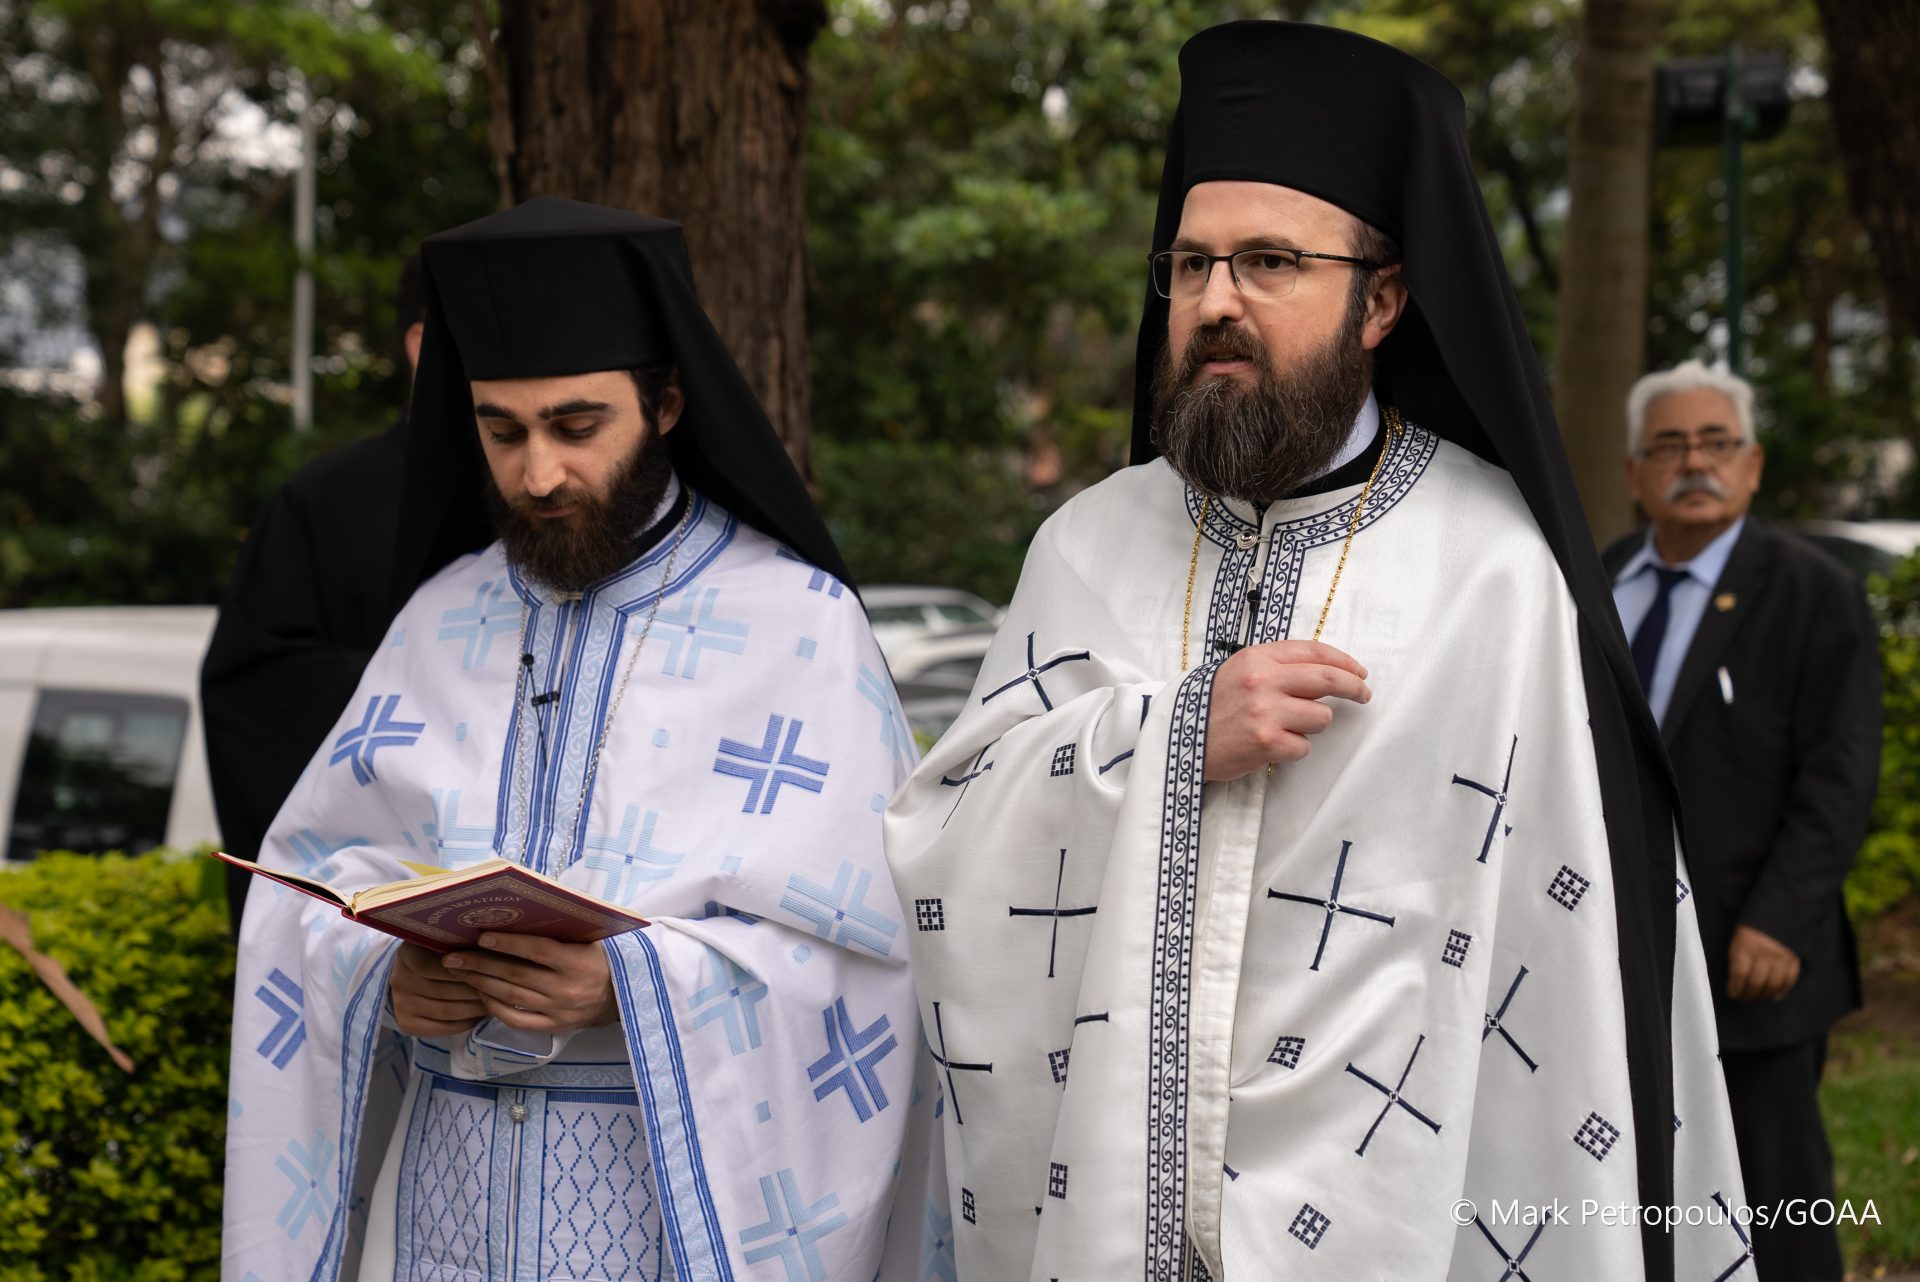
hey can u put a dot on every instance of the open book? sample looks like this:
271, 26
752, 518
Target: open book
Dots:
446, 910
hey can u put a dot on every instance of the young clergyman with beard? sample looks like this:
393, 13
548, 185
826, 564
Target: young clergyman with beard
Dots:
654, 686
1297, 897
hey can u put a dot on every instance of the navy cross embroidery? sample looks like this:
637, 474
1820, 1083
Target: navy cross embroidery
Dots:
948, 1066
761, 769
1513, 1262
1746, 1243
852, 1060
1393, 1097
1146, 702
1332, 904
1057, 1061
1495, 1026
377, 730
1033, 672
965, 781
1499, 799
1056, 912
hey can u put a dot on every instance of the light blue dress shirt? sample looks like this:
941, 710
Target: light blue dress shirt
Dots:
1636, 586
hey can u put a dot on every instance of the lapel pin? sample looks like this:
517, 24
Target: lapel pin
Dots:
1725, 601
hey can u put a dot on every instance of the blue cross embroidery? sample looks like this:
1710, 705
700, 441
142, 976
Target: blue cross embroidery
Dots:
1033, 672
794, 1227
820, 580
478, 624
830, 906
762, 770
1746, 1243
289, 1033
1393, 1097
690, 632
894, 732
306, 1168
965, 781
1495, 1026
936, 1247
730, 997
852, 1060
629, 859
313, 850
377, 730
464, 843
1332, 904
1513, 1262
1499, 800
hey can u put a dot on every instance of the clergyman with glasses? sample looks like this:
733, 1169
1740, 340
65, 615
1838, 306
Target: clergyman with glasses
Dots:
1760, 660
1296, 897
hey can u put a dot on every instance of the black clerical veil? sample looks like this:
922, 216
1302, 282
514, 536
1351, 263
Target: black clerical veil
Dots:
1381, 134
555, 287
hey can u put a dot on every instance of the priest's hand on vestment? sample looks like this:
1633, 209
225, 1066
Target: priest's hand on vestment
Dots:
428, 999
1268, 698
540, 985
1758, 965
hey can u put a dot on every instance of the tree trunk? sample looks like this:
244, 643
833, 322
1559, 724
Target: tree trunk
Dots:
1873, 88
694, 110
1601, 334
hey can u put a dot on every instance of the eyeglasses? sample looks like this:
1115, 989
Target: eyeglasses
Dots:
1715, 449
1182, 274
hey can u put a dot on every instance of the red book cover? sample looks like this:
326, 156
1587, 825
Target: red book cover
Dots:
446, 911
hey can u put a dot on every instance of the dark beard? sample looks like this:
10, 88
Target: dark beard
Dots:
1263, 441
599, 539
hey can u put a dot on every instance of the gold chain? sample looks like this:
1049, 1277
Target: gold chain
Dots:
1394, 428
1193, 569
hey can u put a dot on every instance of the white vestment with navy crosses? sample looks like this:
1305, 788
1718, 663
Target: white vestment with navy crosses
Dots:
1360, 1017
762, 1109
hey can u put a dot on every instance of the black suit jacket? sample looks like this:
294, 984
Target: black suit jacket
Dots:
1776, 782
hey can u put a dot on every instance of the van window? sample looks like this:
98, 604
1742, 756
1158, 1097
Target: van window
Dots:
98, 773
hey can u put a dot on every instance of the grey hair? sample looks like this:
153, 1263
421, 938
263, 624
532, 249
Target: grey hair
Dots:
1687, 376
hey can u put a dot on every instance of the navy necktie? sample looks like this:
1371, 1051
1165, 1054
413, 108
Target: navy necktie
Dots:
1653, 628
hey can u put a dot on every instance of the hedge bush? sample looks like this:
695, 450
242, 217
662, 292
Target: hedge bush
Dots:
1888, 869
104, 1176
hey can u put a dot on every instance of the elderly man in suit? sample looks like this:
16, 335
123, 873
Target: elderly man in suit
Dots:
1758, 657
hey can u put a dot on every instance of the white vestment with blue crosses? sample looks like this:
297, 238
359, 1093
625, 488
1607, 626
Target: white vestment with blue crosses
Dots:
761, 1111
1361, 1017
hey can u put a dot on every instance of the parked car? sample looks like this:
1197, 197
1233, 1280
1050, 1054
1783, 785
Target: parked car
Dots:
1865, 547
933, 640
100, 740
903, 614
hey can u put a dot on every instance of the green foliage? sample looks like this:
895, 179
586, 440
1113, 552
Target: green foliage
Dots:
1888, 869
894, 527
1870, 1098
150, 505
108, 1176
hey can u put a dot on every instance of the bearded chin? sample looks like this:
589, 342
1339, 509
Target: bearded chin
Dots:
598, 538
1262, 441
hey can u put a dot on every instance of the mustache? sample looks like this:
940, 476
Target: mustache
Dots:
1220, 339
1695, 483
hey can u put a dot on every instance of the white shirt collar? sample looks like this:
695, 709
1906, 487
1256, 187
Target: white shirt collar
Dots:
1366, 426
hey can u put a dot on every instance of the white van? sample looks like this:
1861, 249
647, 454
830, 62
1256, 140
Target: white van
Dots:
100, 740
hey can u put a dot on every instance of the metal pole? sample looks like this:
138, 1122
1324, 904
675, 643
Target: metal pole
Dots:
303, 272
1739, 120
